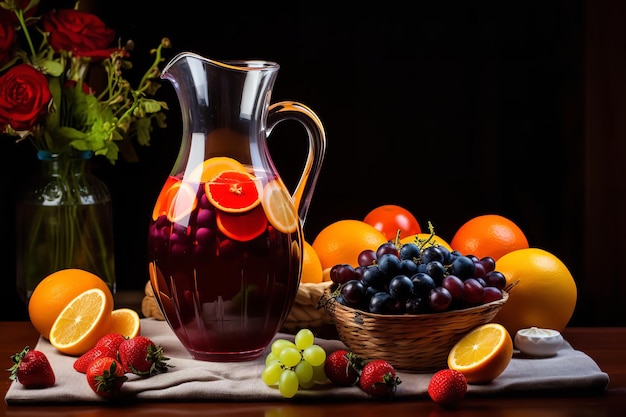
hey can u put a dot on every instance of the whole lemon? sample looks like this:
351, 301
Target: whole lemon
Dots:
55, 291
545, 294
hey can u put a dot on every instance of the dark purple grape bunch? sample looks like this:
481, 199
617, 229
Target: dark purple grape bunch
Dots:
412, 279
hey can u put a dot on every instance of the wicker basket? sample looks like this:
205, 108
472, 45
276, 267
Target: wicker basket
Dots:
418, 342
305, 313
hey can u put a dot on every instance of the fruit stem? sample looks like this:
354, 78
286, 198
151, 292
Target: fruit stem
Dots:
422, 242
397, 240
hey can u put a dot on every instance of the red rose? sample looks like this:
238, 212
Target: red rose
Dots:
84, 34
24, 97
7, 42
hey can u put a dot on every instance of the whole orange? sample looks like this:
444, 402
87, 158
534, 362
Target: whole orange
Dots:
544, 296
55, 292
341, 242
390, 218
489, 235
311, 265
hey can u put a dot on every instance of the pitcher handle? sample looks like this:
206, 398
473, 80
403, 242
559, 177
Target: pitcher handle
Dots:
286, 110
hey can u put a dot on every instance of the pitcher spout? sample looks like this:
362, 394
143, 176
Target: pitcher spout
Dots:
193, 64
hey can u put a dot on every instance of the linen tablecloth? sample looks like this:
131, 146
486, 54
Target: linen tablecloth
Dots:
570, 371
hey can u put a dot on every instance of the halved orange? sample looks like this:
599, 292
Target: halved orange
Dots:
210, 168
176, 200
55, 292
482, 354
234, 191
126, 322
242, 227
279, 207
82, 322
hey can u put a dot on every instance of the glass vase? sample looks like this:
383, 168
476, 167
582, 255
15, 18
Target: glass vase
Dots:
64, 220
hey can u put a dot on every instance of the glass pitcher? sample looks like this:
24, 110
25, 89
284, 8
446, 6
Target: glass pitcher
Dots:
225, 238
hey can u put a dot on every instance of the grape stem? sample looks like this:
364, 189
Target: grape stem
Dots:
422, 242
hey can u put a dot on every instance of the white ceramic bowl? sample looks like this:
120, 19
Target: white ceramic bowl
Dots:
538, 342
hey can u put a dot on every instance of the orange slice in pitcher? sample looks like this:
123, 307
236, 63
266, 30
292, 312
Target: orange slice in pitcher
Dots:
176, 200
279, 208
242, 227
214, 166
234, 191
164, 199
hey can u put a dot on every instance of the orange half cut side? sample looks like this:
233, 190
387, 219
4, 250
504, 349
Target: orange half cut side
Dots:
126, 322
482, 354
82, 322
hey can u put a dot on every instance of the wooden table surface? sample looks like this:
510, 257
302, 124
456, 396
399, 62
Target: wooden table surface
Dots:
607, 346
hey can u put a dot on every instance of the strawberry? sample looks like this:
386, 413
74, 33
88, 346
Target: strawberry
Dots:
342, 368
107, 345
447, 387
32, 369
141, 356
105, 376
83, 361
378, 379
111, 340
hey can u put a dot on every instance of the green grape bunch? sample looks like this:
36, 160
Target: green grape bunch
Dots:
294, 365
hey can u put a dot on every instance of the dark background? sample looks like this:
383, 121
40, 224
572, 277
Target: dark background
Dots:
451, 110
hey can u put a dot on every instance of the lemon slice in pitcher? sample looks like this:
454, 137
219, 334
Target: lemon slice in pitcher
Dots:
279, 208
